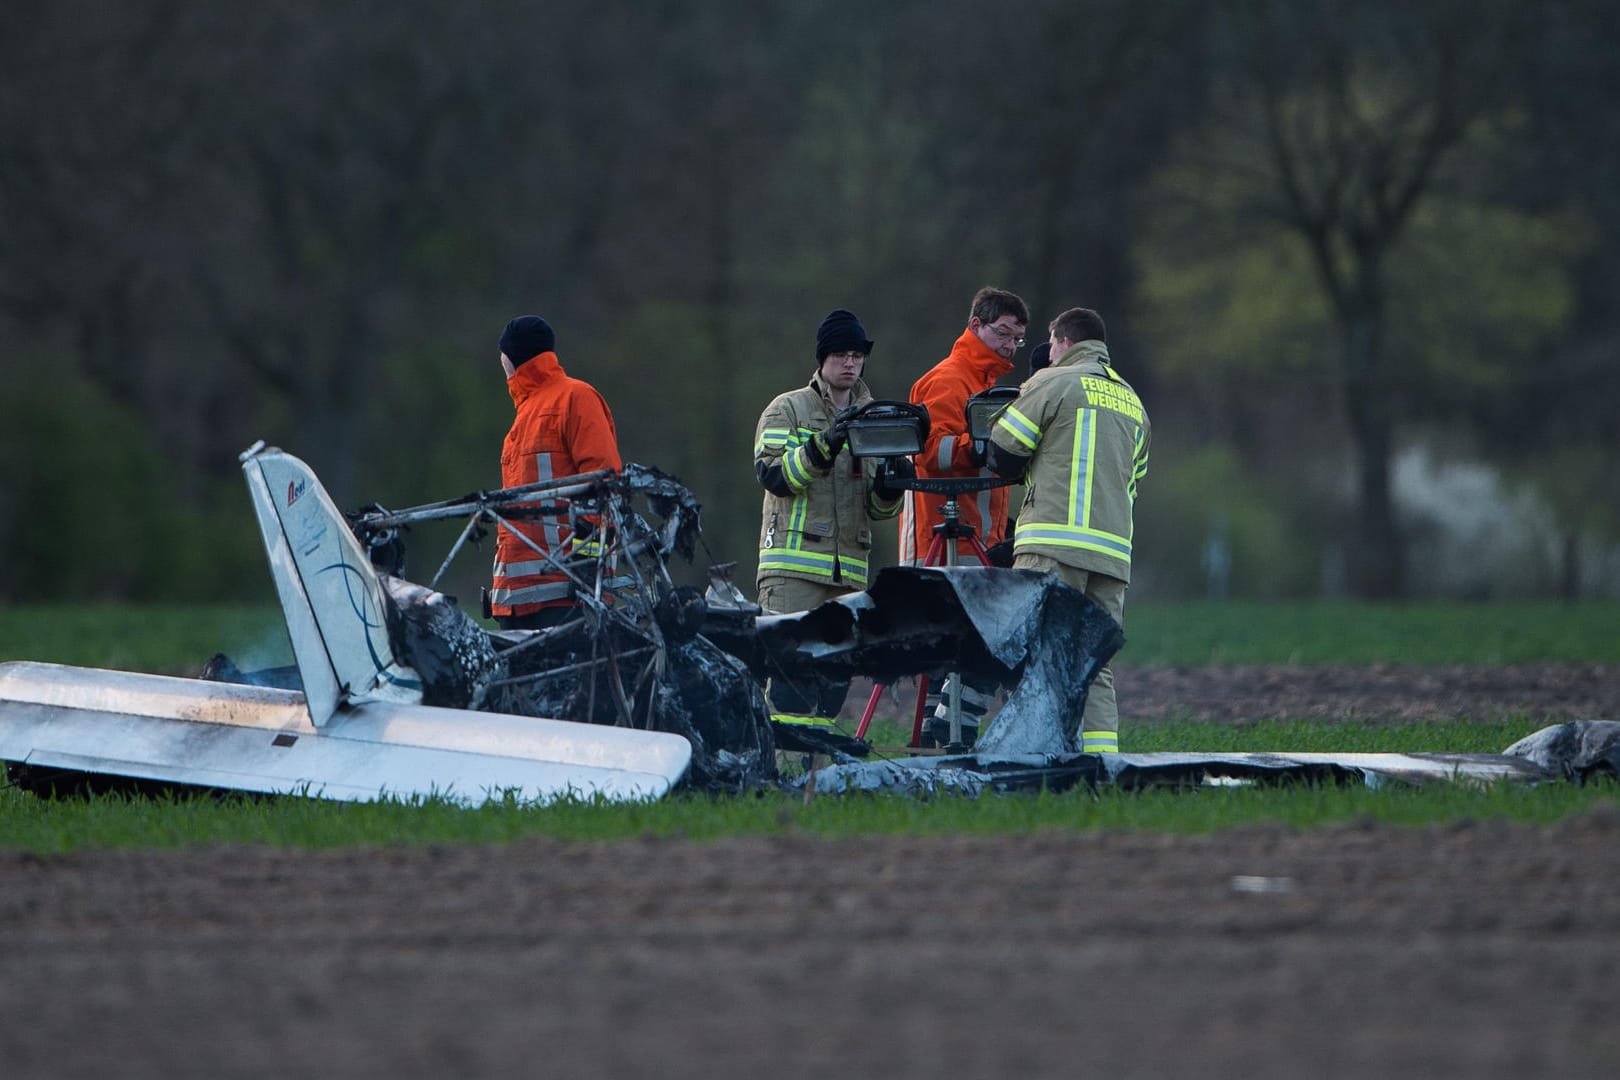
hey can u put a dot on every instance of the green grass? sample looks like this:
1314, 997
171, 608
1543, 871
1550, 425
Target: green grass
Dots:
1359, 633
31, 824
178, 640
166, 639
1347, 736
45, 827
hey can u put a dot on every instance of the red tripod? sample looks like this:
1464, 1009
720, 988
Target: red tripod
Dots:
942, 551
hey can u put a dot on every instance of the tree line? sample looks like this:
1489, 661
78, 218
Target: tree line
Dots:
1321, 232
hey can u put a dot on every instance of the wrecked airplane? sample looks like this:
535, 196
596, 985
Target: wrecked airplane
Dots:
396, 692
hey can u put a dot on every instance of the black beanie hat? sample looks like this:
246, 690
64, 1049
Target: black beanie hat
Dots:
1040, 356
526, 337
841, 331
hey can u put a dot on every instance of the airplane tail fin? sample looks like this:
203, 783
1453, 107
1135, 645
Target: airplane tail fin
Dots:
333, 601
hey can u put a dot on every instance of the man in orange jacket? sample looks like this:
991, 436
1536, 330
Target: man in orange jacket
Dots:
983, 354
563, 428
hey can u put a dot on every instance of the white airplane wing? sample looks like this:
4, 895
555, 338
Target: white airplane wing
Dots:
358, 730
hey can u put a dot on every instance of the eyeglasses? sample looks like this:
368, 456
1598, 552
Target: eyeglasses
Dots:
847, 357
1006, 335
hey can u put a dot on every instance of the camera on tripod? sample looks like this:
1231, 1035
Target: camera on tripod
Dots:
887, 429
983, 410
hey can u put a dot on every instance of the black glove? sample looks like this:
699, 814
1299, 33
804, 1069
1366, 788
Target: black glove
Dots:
977, 449
834, 438
838, 434
825, 445
1004, 463
892, 476
821, 449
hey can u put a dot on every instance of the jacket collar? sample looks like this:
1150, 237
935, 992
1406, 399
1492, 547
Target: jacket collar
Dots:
979, 357
533, 374
1081, 351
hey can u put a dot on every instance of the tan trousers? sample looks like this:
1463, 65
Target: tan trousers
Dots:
780, 595
1099, 725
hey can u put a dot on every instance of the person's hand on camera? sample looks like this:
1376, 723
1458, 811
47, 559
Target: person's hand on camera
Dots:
827, 444
892, 477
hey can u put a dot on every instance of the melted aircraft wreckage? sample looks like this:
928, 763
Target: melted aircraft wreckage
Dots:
397, 692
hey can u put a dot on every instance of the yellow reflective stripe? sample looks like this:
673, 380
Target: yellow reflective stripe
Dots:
799, 561
796, 469
772, 439
1140, 468
1085, 452
1099, 742
1020, 427
794, 461
804, 562
796, 516
803, 721
1040, 533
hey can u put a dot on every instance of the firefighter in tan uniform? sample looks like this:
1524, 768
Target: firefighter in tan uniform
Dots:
815, 537
1077, 436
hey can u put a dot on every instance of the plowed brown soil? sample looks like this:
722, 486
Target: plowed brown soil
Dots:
1473, 950
1386, 692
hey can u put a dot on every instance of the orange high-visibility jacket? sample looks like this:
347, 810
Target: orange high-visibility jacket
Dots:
972, 367
563, 427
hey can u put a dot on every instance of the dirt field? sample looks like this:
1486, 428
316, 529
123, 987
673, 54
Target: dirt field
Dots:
1558, 692
1385, 692
1473, 950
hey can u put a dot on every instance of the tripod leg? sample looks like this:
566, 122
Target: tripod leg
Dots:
978, 548
917, 719
871, 707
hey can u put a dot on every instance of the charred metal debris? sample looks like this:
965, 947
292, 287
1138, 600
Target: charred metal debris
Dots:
632, 657
646, 652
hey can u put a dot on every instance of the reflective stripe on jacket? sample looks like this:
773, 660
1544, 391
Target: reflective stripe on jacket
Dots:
816, 521
562, 428
971, 368
1086, 435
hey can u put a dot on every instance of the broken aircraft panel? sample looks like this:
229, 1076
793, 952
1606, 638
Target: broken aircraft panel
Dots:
1580, 750
1021, 629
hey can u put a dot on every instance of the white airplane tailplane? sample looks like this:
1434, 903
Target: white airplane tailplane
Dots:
357, 731
335, 606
